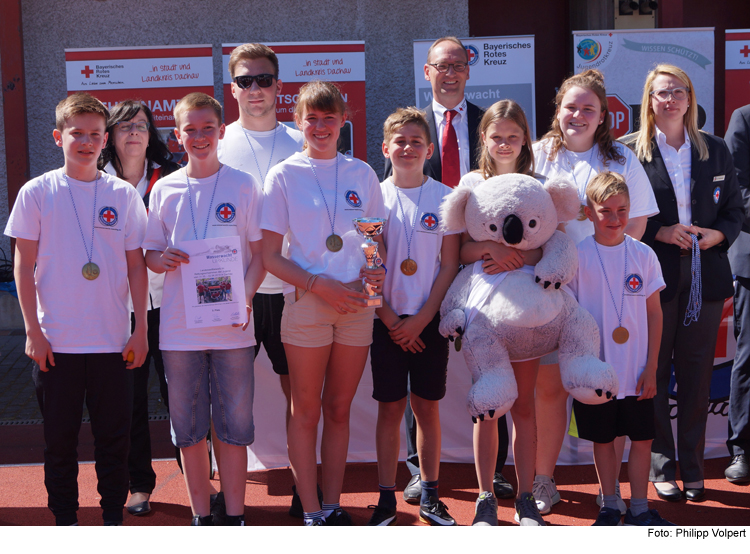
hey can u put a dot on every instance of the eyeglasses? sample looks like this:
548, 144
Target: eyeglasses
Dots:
678, 93
127, 126
264, 80
459, 67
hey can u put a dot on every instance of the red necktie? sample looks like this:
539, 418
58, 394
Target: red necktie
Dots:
449, 159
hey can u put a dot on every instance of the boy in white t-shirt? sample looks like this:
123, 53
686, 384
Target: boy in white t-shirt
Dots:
209, 370
78, 238
408, 353
618, 281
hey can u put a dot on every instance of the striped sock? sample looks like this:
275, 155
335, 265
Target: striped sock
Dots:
387, 497
329, 508
429, 489
310, 517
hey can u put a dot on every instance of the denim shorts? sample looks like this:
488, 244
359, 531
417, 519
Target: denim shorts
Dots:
211, 383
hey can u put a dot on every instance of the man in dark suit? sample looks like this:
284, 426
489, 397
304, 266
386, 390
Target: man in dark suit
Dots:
738, 141
453, 125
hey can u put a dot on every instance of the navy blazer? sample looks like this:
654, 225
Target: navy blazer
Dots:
723, 213
433, 166
738, 142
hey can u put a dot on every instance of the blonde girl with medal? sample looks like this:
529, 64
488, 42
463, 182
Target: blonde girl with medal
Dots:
312, 198
577, 147
408, 354
136, 153
505, 147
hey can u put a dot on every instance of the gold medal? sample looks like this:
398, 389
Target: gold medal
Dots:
90, 271
620, 335
408, 267
334, 243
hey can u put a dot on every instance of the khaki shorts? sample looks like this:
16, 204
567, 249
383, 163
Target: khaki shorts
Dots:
312, 322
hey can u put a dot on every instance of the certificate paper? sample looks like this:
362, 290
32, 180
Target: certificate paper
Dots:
213, 283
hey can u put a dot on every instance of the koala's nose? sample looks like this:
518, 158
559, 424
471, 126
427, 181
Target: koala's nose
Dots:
512, 229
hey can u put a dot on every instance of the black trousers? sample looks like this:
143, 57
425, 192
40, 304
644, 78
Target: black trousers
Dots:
142, 475
739, 394
105, 385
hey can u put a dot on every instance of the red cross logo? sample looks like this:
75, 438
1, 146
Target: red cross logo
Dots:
470, 53
353, 198
225, 212
429, 221
108, 215
633, 283
87, 71
745, 51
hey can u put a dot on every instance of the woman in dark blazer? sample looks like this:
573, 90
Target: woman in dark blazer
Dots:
696, 188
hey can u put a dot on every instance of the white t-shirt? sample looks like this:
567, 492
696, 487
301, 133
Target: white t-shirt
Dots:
406, 294
293, 204
642, 278
155, 280
235, 151
170, 223
580, 167
76, 315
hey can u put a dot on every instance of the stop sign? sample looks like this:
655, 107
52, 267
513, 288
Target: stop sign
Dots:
620, 116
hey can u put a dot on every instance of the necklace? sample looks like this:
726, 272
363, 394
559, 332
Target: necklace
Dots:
409, 266
210, 207
255, 157
334, 243
621, 334
90, 270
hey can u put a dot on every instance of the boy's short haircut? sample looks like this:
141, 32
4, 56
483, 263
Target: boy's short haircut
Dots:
402, 117
319, 95
196, 101
605, 185
78, 104
253, 51
454, 40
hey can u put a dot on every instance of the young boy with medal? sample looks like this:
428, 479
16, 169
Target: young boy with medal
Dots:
618, 281
407, 348
209, 370
78, 238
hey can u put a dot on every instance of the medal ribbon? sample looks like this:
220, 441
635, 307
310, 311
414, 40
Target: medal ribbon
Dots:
409, 236
93, 216
606, 279
695, 300
332, 221
255, 157
210, 207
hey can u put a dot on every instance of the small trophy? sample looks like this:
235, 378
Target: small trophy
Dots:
370, 227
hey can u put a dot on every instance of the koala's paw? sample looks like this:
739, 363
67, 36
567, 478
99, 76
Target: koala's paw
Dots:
492, 395
589, 380
451, 322
552, 278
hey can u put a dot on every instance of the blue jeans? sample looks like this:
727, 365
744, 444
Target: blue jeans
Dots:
211, 383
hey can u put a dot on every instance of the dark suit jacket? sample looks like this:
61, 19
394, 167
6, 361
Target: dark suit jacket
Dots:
738, 141
726, 216
432, 166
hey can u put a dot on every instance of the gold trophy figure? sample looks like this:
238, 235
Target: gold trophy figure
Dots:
370, 227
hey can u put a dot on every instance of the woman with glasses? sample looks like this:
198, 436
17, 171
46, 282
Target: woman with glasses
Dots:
700, 215
135, 153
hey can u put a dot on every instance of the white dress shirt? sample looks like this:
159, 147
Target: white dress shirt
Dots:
678, 163
461, 125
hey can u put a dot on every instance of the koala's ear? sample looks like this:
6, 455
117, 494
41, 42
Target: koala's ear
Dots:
565, 197
453, 208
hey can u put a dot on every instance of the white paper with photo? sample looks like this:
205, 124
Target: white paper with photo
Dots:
213, 283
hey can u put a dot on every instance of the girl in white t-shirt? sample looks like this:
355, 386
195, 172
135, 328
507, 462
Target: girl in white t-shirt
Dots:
579, 145
312, 198
505, 148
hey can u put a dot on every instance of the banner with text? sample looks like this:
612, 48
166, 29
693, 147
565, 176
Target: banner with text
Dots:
737, 71
499, 68
625, 57
158, 76
342, 63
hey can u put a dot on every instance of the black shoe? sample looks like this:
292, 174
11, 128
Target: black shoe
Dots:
382, 516
696, 494
140, 509
295, 510
435, 512
502, 488
202, 521
738, 471
339, 518
413, 491
113, 524
218, 506
670, 495
230, 521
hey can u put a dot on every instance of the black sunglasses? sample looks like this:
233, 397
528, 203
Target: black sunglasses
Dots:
264, 80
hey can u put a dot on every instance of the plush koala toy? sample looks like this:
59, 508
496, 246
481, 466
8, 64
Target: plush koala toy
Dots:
522, 314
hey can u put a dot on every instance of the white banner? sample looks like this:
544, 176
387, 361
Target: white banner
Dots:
625, 57
499, 68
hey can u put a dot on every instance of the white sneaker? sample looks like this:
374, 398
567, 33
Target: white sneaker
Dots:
545, 493
620, 502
